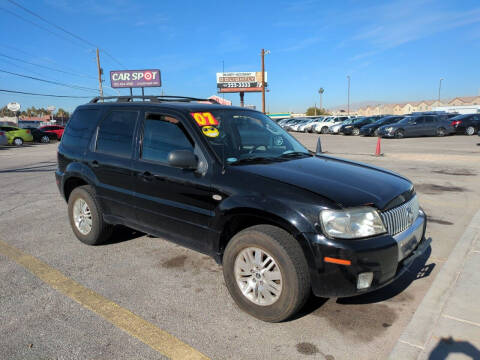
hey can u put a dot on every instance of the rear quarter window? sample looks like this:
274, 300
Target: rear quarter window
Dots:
79, 129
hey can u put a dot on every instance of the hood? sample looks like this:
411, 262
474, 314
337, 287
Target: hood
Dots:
346, 183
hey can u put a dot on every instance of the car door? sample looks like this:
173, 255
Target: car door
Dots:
430, 126
110, 159
415, 126
174, 203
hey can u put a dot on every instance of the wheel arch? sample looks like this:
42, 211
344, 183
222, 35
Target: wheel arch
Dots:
241, 219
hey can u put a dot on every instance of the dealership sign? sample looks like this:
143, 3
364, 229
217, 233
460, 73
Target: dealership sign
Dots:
240, 81
135, 78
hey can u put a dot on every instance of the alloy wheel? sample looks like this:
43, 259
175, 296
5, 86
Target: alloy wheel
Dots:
258, 276
470, 130
82, 216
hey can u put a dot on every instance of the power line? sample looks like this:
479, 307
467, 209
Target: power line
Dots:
49, 95
41, 27
49, 81
47, 67
64, 30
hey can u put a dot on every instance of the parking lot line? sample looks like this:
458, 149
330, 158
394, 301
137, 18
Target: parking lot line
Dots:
122, 318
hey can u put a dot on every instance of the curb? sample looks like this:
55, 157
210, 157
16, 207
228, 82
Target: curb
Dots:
418, 332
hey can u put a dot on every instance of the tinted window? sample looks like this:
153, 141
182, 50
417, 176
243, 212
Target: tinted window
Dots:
163, 134
429, 120
115, 135
79, 129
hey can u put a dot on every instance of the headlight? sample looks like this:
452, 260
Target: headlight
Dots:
352, 223
389, 128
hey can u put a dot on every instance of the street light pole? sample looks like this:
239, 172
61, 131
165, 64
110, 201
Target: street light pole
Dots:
321, 91
348, 103
264, 52
439, 89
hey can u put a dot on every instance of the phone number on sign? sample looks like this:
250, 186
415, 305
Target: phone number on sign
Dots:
238, 85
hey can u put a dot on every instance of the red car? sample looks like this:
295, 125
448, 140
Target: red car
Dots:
55, 129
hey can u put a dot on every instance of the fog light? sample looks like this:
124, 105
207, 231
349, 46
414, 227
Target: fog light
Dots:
364, 280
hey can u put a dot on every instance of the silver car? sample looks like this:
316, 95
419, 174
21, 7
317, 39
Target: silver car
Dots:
3, 138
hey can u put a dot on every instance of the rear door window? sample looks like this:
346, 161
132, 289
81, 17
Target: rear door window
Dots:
115, 134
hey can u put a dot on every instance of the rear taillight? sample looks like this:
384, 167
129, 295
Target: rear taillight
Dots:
2, 133
455, 123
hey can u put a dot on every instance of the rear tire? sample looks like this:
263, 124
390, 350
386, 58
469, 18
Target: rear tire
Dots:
441, 131
45, 139
18, 141
288, 269
470, 130
399, 134
86, 217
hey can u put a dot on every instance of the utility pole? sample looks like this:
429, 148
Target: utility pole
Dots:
439, 89
315, 107
263, 77
100, 71
348, 103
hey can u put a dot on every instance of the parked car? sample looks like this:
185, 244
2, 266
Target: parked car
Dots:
16, 136
229, 182
418, 125
286, 124
42, 136
335, 128
354, 127
55, 129
467, 124
3, 138
292, 126
310, 126
323, 126
372, 129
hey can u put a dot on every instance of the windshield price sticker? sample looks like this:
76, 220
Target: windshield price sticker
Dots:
204, 118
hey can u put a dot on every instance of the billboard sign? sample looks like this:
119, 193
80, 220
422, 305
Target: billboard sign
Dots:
240, 81
13, 106
135, 78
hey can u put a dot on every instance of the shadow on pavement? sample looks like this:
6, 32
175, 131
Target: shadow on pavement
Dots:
447, 346
47, 167
122, 233
418, 270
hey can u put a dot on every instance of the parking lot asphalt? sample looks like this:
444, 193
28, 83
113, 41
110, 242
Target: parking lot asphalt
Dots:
182, 293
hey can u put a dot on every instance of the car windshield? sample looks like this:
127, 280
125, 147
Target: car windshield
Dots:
242, 136
406, 120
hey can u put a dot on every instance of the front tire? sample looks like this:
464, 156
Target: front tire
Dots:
86, 218
399, 134
45, 139
356, 131
266, 273
470, 130
18, 141
324, 130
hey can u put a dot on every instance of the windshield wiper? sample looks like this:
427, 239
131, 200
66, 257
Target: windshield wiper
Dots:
252, 159
295, 154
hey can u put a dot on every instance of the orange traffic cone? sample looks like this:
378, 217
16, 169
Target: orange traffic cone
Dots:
378, 151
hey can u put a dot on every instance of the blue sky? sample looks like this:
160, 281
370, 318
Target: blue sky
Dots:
393, 50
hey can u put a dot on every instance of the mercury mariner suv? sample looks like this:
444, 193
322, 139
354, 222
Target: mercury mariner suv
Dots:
229, 182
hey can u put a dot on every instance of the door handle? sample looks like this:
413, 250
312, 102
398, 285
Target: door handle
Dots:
95, 164
147, 176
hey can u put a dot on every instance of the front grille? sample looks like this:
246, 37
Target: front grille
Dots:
400, 218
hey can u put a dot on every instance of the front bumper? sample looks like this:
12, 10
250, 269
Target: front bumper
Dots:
387, 257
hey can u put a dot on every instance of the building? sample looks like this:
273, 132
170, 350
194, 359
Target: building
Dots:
458, 104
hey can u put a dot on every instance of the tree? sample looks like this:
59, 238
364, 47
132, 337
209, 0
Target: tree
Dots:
63, 113
311, 111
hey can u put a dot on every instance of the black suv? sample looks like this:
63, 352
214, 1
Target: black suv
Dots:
229, 182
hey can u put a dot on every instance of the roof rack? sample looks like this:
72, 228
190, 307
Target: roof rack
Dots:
151, 98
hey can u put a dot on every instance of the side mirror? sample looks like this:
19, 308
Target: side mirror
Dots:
184, 159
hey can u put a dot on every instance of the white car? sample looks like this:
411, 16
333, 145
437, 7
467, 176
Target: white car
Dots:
310, 126
322, 128
335, 129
